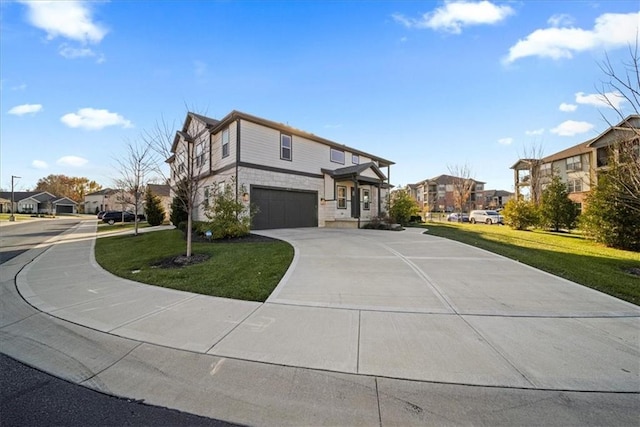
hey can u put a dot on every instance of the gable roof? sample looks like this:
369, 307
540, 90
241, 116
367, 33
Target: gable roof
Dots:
630, 124
103, 192
38, 196
576, 150
214, 125
355, 171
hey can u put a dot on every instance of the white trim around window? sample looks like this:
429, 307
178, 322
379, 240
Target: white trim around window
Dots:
342, 197
286, 147
337, 156
225, 143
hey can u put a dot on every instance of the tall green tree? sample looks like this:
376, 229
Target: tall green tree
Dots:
556, 209
153, 208
609, 220
178, 213
403, 206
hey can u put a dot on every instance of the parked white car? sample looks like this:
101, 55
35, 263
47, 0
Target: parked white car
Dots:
485, 217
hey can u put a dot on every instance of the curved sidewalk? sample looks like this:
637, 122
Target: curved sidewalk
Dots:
359, 311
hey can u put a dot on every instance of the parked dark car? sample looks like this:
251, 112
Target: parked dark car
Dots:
111, 217
101, 214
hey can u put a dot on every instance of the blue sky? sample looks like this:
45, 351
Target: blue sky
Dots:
429, 85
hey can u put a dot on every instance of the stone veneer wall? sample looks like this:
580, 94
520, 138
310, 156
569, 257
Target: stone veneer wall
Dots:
249, 176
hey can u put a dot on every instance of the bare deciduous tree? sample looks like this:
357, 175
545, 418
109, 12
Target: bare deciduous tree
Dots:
624, 154
532, 155
463, 184
187, 153
138, 162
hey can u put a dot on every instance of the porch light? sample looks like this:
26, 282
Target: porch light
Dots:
245, 197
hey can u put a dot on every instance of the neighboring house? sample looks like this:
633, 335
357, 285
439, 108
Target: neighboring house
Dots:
578, 166
163, 192
38, 202
293, 178
5, 204
492, 199
438, 194
103, 200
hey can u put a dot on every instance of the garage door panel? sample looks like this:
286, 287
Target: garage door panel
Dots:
284, 208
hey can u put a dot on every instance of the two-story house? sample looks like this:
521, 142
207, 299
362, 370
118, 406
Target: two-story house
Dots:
291, 177
577, 166
102, 200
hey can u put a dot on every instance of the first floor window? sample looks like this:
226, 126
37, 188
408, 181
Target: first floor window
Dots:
285, 147
342, 197
366, 199
574, 185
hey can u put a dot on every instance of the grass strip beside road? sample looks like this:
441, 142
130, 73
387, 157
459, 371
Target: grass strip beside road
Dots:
567, 255
245, 270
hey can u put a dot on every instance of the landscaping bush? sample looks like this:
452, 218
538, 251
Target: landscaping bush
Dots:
178, 213
153, 209
520, 214
228, 216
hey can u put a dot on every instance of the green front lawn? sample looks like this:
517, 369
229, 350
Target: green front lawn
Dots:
119, 226
566, 255
244, 270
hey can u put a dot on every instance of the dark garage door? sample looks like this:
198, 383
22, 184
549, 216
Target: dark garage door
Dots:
64, 209
284, 208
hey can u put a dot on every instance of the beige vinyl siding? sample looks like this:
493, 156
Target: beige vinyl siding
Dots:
217, 161
261, 145
369, 173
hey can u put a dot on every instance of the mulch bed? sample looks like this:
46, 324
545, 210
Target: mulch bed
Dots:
183, 261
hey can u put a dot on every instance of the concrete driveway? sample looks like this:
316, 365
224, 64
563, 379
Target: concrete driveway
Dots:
367, 327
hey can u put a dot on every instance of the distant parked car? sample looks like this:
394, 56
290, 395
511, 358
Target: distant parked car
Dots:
111, 217
458, 217
101, 214
485, 217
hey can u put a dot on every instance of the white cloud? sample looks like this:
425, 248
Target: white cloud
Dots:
455, 15
22, 86
608, 99
567, 108
611, 30
505, 141
68, 19
571, 128
39, 164
21, 110
74, 52
93, 119
534, 132
560, 20
73, 161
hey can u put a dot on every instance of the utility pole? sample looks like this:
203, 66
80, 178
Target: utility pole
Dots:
12, 217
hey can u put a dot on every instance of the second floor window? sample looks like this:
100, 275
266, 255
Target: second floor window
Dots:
200, 155
355, 159
285, 147
225, 143
574, 163
337, 156
545, 169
